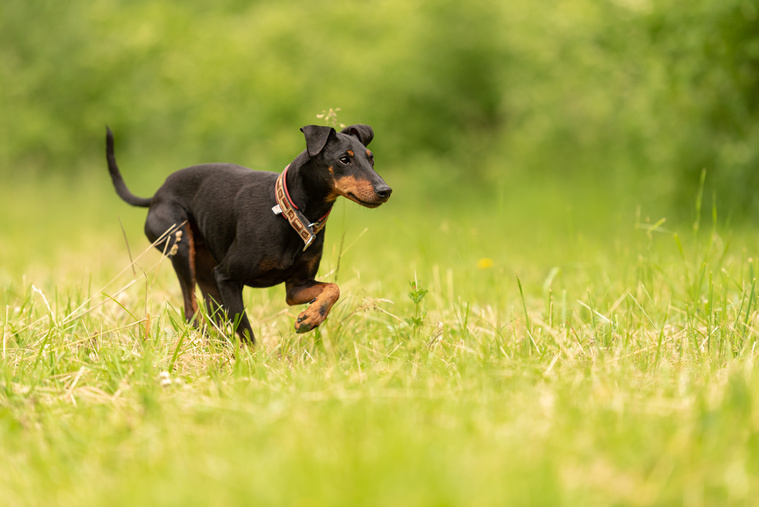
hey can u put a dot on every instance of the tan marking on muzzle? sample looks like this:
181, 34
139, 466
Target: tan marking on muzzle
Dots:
359, 191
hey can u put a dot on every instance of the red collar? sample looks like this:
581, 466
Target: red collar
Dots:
307, 231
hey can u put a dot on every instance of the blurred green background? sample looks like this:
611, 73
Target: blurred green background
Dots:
543, 138
534, 108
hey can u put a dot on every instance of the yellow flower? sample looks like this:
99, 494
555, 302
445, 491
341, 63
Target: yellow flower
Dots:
485, 263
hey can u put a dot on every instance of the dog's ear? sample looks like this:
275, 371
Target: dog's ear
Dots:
364, 133
316, 138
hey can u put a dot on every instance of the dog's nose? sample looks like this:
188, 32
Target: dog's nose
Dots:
383, 191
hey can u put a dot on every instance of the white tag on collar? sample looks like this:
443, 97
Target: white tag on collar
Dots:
277, 210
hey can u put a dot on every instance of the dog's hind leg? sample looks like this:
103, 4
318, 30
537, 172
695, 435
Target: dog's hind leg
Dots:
179, 245
204, 264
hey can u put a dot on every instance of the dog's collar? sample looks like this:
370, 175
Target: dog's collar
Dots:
285, 206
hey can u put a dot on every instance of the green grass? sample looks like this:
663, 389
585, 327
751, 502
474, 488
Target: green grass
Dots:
583, 356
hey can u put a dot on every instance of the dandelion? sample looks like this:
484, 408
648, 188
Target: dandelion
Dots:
485, 263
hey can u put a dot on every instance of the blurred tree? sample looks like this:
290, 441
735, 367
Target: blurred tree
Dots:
628, 94
711, 51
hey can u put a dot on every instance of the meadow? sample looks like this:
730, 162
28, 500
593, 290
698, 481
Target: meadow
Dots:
569, 357
557, 306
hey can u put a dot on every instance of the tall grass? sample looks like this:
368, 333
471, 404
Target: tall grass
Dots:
611, 368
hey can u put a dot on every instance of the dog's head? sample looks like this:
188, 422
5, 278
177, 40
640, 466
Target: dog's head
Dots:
349, 162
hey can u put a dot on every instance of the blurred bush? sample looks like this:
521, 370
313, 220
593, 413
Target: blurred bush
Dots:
636, 96
710, 108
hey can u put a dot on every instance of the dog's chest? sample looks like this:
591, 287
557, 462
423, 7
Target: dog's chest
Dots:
275, 270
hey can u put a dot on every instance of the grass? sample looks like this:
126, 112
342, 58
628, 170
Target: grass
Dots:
556, 358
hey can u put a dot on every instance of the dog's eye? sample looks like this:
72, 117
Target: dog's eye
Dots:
345, 160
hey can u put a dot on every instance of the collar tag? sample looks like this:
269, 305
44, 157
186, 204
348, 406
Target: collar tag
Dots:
277, 209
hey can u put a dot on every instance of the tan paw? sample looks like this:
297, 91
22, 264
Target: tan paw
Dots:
310, 319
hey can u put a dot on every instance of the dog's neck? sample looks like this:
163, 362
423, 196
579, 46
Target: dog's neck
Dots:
308, 189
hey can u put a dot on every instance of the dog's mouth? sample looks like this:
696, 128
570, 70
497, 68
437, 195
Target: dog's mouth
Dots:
366, 204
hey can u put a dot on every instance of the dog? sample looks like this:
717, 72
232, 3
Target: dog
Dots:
225, 226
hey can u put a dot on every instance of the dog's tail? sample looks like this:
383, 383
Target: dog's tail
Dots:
118, 181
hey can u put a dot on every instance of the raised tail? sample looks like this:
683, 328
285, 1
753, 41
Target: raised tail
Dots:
118, 181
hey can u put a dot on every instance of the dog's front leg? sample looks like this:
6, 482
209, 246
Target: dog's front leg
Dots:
232, 303
321, 296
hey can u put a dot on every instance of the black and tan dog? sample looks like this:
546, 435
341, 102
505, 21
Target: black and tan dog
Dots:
231, 226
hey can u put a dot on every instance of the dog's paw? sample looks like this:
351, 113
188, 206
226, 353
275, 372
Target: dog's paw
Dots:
304, 327
310, 319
